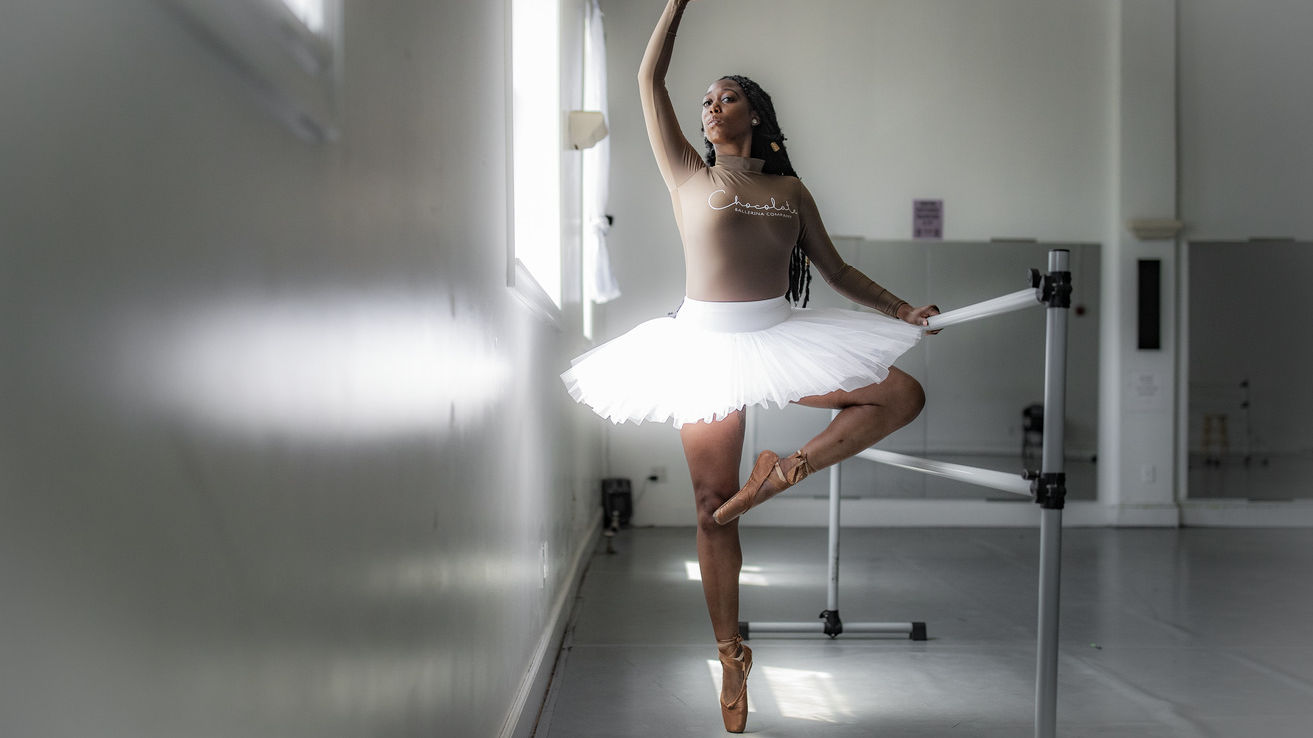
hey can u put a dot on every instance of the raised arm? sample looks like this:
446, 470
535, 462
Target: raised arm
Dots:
676, 158
843, 277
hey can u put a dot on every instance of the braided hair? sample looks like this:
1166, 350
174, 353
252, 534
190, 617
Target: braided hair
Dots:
768, 145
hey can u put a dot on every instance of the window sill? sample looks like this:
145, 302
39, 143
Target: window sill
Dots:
527, 290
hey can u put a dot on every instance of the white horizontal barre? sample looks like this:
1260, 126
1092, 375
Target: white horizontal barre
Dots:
1005, 304
1013, 483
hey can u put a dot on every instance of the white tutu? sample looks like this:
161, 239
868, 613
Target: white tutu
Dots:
716, 357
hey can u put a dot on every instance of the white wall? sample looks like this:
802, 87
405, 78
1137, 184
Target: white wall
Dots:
1056, 120
998, 108
1049, 120
1246, 166
281, 456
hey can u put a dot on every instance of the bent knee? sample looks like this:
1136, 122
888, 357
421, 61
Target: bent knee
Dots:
911, 399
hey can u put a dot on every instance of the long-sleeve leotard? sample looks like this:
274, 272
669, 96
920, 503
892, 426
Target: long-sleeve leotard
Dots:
738, 225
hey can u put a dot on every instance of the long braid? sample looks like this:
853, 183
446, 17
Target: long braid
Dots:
768, 145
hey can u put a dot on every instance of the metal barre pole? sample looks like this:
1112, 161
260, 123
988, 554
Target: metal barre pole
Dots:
1028, 297
1050, 490
1013, 483
832, 590
1053, 486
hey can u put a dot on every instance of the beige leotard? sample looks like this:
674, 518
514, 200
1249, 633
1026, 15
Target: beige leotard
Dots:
738, 225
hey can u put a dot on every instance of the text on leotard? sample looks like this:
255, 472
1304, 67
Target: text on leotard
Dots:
719, 196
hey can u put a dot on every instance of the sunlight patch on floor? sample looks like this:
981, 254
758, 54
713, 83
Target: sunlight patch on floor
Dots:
806, 695
749, 576
795, 693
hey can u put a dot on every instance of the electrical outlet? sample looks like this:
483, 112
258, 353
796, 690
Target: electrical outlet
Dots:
658, 475
1148, 473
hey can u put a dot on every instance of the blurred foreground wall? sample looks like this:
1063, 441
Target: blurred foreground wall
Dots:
281, 454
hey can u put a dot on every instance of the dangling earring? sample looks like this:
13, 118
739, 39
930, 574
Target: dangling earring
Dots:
774, 147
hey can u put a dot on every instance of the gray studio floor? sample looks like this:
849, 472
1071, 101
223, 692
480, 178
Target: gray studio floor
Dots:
1193, 632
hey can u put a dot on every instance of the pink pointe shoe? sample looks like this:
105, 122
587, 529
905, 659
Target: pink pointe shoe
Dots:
751, 495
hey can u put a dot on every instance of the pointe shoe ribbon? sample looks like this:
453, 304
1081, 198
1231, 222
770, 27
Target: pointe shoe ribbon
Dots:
751, 495
735, 712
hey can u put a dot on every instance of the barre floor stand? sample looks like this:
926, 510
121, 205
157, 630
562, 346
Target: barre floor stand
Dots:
830, 624
1047, 487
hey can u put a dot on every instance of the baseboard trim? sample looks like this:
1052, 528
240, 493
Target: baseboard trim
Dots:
522, 716
1236, 513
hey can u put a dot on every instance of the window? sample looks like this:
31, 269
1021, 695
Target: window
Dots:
309, 12
598, 282
536, 150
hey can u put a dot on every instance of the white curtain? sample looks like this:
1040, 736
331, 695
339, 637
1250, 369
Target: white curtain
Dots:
600, 282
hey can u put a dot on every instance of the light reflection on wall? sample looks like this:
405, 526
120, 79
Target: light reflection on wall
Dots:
332, 366
294, 682
426, 575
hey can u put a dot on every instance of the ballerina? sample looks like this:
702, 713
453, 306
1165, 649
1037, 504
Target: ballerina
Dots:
750, 233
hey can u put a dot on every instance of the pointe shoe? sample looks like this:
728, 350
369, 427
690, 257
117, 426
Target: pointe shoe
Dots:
768, 462
734, 712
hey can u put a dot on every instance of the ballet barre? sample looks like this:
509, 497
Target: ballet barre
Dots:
1015, 483
997, 306
1047, 487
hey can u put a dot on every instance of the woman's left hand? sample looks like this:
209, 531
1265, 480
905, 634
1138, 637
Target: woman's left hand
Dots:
920, 316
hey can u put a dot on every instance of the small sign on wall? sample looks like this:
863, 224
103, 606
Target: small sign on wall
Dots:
1146, 392
928, 219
